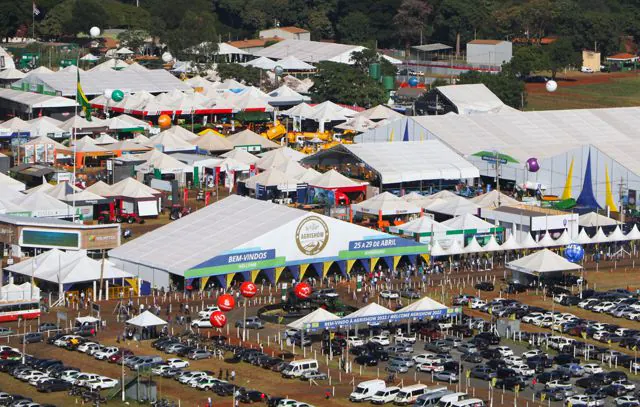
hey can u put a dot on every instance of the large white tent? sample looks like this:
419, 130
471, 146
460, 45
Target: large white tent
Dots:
494, 199
308, 321
273, 178
145, 320
386, 204
540, 263
594, 219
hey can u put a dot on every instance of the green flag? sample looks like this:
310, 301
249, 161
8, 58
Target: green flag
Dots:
81, 99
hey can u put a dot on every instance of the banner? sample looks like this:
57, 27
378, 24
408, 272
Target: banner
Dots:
217, 175
40, 153
28, 154
261, 192
50, 156
632, 199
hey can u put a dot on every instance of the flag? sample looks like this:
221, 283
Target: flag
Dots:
82, 100
36, 10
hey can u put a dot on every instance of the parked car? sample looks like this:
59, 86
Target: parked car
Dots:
251, 323
32, 337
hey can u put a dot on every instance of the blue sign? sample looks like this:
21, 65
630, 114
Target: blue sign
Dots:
493, 159
241, 257
378, 319
381, 243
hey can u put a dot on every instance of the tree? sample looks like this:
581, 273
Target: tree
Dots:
561, 54
362, 61
195, 37
411, 20
354, 28
13, 14
133, 39
507, 87
527, 59
85, 14
247, 74
342, 83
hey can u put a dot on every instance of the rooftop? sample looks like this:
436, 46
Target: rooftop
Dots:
253, 43
486, 42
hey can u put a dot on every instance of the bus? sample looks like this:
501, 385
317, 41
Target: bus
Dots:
12, 311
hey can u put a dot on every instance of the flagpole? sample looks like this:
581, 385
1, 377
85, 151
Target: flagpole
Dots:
73, 201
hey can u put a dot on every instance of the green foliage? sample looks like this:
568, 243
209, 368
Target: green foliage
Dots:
411, 20
13, 14
362, 61
341, 83
246, 74
506, 86
354, 28
527, 59
195, 37
561, 54
85, 14
133, 39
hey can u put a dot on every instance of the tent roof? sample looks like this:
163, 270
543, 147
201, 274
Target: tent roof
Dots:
310, 176
593, 219
319, 315
421, 305
285, 96
491, 199
387, 204
125, 145
310, 51
158, 160
132, 188
146, 319
289, 152
474, 98
241, 155
249, 138
302, 110
170, 141
542, 261
42, 128
380, 112
466, 222
328, 111
262, 63
36, 100
411, 161
357, 123
140, 139
272, 178
87, 145
11, 74
105, 138
100, 188
16, 124
77, 122
333, 179
233, 226
511, 243
423, 224
292, 169
454, 206
291, 63
370, 310
276, 159
41, 201
11, 183
212, 142
228, 49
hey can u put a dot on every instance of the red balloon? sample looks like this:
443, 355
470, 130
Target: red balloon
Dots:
226, 302
303, 291
248, 289
218, 319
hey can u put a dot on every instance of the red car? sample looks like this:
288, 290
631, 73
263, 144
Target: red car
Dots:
115, 358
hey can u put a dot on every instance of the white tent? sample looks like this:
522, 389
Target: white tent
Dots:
583, 237
542, 261
380, 112
42, 205
385, 204
455, 247
547, 241
359, 124
287, 151
511, 243
302, 111
319, 315
163, 162
277, 159
528, 242
285, 96
466, 222
100, 188
616, 235
493, 199
140, 139
564, 239
146, 319
492, 245
19, 292
89, 57
262, 63
634, 234
124, 51
42, 128
421, 225
333, 179
292, 169
291, 63
473, 246
437, 250
131, 188
455, 206
594, 219
11, 183
247, 138
599, 237
273, 178
310, 176
9, 208
371, 313
424, 305
212, 142
241, 155
11, 74
105, 138
170, 142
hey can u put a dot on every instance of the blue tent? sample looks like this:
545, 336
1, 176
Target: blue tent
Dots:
586, 198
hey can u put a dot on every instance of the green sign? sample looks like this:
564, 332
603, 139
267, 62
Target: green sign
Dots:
47, 238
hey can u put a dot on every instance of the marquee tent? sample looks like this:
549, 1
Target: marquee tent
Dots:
493, 199
372, 313
166, 164
251, 141
541, 263
289, 152
634, 234
80, 125
332, 179
291, 63
41, 127
127, 146
211, 142
528, 242
616, 235
132, 188
285, 96
145, 320
358, 124
140, 139
309, 176
263, 63
385, 204
468, 222
594, 219
170, 142
308, 321
424, 307
241, 155
100, 188
253, 237
455, 206
421, 227
104, 138
380, 112
42, 205
19, 292
302, 111
276, 159
11, 183
273, 178
7, 207
511, 243
292, 169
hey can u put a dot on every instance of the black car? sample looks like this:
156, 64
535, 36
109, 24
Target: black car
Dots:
47, 326
483, 373
53, 385
32, 337
615, 376
484, 286
381, 355
359, 350
589, 382
225, 389
251, 396
367, 360
605, 378
515, 288
565, 359
496, 363
493, 339
273, 401
570, 300
511, 382
471, 357
615, 390
504, 372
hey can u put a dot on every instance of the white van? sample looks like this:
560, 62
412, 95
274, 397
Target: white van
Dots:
432, 397
386, 395
366, 390
297, 368
449, 399
409, 394
469, 403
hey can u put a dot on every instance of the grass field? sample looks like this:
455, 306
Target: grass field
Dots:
580, 91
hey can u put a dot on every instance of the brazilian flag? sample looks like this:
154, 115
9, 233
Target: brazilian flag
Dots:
81, 98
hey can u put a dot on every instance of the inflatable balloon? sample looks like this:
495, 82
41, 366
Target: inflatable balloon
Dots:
278, 70
94, 31
551, 85
167, 57
413, 81
117, 95
164, 121
226, 302
302, 291
218, 319
574, 252
248, 289
533, 165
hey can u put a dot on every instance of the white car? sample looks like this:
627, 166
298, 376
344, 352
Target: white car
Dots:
187, 377
206, 383
380, 340
34, 375
286, 402
160, 369
291, 332
512, 360
207, 311
390, 295
592, 368
402, 338
523, 369
504, 351
558, 384
599, 334
627, 401
70, 376
477, 303
37, 380
583, 304
106, 353
604, 307
529, 318
633, 316
354, 341
101, 383
628, 386
531, 353
431, 366
201, 323
582, 400
84, 347
427, 357
83, 378
586, 69
177, 363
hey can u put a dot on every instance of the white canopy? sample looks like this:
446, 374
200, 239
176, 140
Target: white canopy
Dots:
285, 96
359, 124
310, 176
473, 246
241, 155
455, 206
19, 292
319, 315
492, 245
380, 112
42, 205
247, 138
333, 179
11, 183
634, 234
212, 142
547, 241
287, 151
89, 57
542, 261
594, 219
583, 237
386, 204
528, 242
105, 138
293, 169
163, 162
302, 110
511, 243
421, 225
616, 235
11, 74
146, 319
273, 178
564, 239
493, 199
170, 141
291, 63
131, 188
422, 305
262, 63
599, 237
124, 51
467, 221
437, 250
367, 313
276, 159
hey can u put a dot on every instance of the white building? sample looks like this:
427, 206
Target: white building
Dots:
287, 33
6, 60
489, 52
